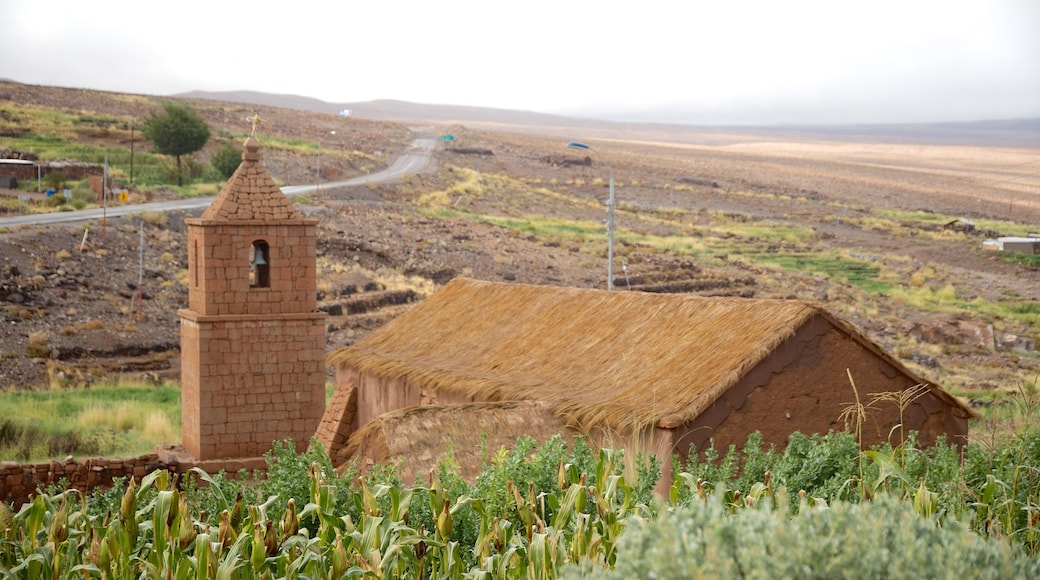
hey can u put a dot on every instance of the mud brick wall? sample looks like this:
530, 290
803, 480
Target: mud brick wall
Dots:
252, 380
219, 273
18, 482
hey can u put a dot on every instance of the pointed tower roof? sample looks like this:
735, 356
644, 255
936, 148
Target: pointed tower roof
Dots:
251, 194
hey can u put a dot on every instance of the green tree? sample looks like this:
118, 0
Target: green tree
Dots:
179, 131
226, 160
55, 179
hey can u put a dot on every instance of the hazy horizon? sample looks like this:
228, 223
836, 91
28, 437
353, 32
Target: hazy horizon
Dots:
746, 62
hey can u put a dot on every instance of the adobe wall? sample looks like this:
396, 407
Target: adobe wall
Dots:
245, 372
378, 395
361, 397
337, 424
804, 386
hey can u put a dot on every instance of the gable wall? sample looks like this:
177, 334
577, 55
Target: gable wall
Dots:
804, 386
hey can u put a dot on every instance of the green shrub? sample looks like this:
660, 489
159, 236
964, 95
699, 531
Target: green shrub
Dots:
994, 490
821, 465
226, 160
55, 179
880, 539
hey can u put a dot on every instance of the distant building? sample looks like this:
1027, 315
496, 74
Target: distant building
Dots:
27, 169
1027, 245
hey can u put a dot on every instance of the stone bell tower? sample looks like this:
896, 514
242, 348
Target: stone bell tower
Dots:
252, 339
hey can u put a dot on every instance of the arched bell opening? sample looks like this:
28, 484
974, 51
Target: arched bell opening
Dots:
260, 265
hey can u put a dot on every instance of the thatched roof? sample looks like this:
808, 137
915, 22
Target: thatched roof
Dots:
251, 193
465, 429
620, 360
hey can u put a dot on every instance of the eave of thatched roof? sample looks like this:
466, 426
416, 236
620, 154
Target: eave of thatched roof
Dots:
625, 359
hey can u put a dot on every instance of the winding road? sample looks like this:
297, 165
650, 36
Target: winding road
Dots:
414, 159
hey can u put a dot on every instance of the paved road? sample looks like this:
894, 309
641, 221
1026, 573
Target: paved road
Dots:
413, 160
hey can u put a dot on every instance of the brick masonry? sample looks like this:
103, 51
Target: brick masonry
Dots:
338, 421
219, 267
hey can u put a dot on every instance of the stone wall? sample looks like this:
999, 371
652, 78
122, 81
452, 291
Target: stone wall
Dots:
19, 482
73, 170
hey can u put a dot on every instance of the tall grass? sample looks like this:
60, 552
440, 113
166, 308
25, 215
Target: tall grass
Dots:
113, 420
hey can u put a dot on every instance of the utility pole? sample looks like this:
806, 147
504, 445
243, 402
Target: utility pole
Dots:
131, 153
140, 276
104, 200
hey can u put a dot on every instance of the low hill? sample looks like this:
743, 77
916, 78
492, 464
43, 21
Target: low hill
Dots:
991, 133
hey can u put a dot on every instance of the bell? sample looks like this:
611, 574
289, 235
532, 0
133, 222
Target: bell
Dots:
258, 259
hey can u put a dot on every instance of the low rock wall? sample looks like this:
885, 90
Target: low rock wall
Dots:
19, 482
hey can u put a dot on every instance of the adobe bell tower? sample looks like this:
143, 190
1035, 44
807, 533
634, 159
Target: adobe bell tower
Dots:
252, 339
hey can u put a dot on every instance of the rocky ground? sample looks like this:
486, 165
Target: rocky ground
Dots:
74, 312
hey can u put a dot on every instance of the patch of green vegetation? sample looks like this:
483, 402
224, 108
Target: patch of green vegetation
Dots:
276, 142
1026, 312
147, 166
198, 190
897, 220
546, 228
862, 274
946, 299
99, 120
580, 512
105, 420
922, 217
1028, 260
765, 231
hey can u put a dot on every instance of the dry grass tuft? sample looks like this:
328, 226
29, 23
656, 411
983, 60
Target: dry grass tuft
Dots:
155, 218
121, 417
157, 427
82, 326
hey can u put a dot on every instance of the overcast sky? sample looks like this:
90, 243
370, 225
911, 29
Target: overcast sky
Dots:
692, 61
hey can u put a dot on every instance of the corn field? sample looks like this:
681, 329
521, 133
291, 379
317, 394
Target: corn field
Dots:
536, 513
